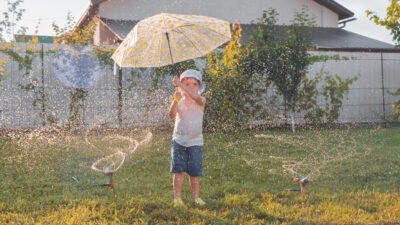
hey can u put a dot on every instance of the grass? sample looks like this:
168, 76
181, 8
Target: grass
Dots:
356, 173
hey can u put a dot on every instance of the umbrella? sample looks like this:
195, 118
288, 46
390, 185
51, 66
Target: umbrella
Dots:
166, 39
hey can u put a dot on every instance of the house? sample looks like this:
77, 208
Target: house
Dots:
118, 17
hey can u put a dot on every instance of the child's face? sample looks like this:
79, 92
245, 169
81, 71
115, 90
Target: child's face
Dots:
192, 83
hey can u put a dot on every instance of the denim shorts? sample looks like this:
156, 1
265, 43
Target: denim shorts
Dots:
186, 159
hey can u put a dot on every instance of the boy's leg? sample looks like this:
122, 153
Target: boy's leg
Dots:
195, 186
177, 184
178, 167
195, 171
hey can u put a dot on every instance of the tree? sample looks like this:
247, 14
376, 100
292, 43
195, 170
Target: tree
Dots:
391, 21
10, 19
233, 90
8, 22
284, 61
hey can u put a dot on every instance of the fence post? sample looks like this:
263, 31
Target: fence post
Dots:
383, 87
43, 94
120, 96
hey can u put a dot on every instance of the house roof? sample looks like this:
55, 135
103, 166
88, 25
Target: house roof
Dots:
342, 11
326, 38
95, 2
323, 38
120, 28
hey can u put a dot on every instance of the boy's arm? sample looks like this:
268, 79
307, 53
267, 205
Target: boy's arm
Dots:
173, 109
193, 95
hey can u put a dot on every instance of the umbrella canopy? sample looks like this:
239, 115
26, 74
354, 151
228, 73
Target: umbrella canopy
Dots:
167, 38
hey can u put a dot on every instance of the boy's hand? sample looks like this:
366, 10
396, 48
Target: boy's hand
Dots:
178, 94
176, 81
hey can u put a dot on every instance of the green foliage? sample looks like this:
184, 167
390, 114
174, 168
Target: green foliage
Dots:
24, 62
78, 97
33, 84
333, 90
282, 61
104, 54
10, 18
396, 105
285, 62
323, 58
234, 90
293, 58
391, 21
72, 35
8, 22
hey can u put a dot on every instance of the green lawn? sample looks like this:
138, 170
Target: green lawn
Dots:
356, 174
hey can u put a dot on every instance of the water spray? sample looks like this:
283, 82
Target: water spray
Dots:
110, 164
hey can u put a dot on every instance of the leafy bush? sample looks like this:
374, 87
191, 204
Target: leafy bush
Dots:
396, 106
234, 93
332, 91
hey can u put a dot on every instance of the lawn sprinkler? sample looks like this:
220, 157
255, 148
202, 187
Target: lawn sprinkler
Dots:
303, 182
110, 175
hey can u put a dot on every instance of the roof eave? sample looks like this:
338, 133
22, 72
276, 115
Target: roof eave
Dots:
111, 30
96, 2
342, 11
91, 11
387, 50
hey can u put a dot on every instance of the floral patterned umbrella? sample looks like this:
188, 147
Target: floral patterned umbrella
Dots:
167, 38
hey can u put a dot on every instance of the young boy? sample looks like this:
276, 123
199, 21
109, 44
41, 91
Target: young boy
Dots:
187, 139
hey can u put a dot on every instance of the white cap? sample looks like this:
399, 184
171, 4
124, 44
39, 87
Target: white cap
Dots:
194, 74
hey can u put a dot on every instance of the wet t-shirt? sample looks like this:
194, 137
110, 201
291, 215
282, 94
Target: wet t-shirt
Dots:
188, 130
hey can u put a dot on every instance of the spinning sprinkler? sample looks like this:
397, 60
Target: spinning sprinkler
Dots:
78, 67
303, 182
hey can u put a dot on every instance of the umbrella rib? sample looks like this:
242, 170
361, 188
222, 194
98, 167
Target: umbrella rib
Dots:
169, 46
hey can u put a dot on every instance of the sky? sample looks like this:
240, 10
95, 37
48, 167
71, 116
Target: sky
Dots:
55, 11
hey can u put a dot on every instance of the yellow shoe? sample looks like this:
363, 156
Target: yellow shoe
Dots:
199, 201
178, 202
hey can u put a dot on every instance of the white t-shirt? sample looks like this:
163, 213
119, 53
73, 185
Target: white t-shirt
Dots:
188, 130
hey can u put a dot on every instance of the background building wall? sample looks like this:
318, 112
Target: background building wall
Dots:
228, 10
